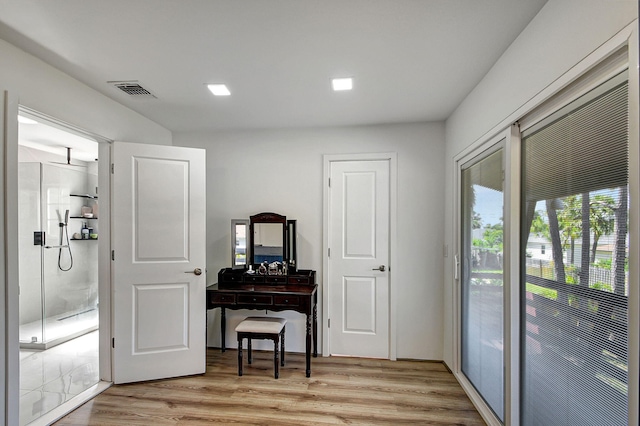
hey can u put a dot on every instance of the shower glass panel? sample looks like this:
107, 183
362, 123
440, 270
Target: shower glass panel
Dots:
58, 279
31, 314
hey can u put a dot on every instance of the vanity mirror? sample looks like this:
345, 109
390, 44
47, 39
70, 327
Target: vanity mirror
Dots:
268, 238
239, 242
264, 237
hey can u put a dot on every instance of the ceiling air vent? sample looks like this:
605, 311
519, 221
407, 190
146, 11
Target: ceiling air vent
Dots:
132, 88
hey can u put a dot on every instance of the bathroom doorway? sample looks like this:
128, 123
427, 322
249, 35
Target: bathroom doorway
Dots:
58, 225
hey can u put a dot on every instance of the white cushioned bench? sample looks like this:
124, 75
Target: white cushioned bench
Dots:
272, 328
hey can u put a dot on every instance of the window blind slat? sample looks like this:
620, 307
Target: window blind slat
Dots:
575, 322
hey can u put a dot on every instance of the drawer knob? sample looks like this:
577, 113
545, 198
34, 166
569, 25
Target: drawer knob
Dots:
286, 300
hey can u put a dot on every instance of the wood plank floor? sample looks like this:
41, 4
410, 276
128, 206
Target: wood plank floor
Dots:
339, 391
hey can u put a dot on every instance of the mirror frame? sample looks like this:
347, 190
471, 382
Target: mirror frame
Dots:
234, 224
292, 237
268, 218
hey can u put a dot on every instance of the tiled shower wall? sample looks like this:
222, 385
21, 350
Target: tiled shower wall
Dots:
42, 205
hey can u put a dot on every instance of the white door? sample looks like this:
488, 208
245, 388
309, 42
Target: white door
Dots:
158, 242
359, 258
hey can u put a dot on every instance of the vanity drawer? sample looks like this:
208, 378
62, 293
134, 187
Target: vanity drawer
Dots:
300, 280
275, 279
223, 299
230, 278
255, 300
254, 279
286, 300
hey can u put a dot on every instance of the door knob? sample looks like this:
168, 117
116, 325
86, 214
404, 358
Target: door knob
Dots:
380, 268
196, 271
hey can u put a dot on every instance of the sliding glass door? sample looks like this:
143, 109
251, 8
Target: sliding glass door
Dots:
482, 276
574, 261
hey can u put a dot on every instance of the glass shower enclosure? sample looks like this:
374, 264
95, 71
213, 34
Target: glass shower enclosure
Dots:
58, 253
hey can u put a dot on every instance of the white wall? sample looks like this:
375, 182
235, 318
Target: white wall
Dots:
51, 92
281, 171
36, 85
562, 34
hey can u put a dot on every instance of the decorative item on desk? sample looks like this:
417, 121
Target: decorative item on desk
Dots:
262, 270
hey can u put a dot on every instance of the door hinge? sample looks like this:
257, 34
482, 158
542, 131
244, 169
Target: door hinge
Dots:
113, 255
329, 323
113, 342
329, 252
329, 182
111, 168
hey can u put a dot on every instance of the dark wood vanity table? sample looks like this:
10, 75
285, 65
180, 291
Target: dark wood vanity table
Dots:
268, 280
297, 292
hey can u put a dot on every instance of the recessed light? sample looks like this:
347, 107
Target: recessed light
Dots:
342, 84
219, 89
25, 120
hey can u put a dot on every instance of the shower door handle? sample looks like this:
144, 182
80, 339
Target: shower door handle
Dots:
196, 271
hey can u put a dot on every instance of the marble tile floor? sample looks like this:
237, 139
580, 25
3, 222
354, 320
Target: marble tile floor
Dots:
52, 377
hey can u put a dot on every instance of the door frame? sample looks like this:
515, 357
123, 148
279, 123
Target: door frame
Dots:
327, 159
507, 140
9, 408
9, 321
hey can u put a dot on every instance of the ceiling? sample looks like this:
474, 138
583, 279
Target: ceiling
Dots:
411, 60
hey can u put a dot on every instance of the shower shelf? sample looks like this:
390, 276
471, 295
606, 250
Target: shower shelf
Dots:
93, 197
81, 239
82, 217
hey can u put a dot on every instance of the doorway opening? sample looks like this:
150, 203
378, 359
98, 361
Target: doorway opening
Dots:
58, 226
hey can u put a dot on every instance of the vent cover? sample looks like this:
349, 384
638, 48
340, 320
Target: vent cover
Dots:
133, 88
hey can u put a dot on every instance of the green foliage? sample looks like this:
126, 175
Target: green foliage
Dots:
542, 291
603, 263
476, 222
602, 286
540, 225
493, 237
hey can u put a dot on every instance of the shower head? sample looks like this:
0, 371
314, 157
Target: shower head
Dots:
66, 217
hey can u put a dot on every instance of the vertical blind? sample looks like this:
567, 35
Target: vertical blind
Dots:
574, 283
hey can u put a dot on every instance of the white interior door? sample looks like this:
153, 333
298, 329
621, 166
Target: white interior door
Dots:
359, 258
158, 235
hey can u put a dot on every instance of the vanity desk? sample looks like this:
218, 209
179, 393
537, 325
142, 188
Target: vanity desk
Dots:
294, 292
264, 276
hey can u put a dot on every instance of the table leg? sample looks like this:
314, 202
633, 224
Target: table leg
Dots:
223, 328
315, 331
308, 354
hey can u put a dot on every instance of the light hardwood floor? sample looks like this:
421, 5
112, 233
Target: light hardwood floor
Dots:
339, 391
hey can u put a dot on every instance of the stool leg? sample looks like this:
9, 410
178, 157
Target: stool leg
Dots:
249, 356
239, 356
275, 356
282, 347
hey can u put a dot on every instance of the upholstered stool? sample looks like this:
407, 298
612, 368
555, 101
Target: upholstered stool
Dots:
261, 328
